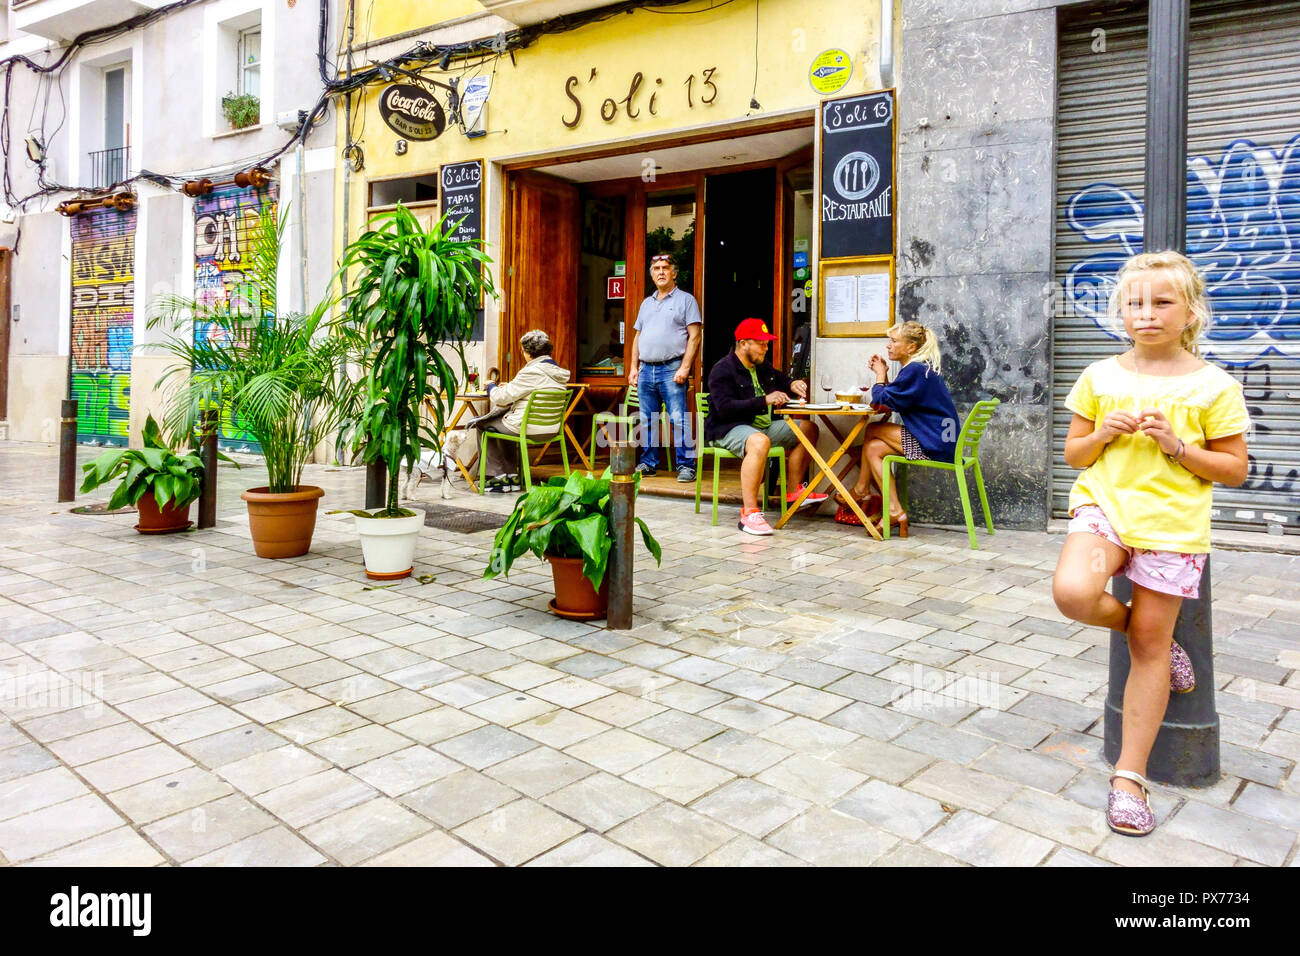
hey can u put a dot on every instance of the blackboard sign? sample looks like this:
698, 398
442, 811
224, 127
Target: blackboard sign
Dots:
462, 199
857, 176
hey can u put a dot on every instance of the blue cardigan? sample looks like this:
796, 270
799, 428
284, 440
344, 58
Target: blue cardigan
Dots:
921, 399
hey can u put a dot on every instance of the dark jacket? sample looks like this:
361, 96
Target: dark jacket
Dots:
922, 401
732, 400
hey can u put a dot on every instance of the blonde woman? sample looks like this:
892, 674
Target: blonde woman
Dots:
920, 397
1153, 429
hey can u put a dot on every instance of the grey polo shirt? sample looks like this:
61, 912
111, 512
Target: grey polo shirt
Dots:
662, 324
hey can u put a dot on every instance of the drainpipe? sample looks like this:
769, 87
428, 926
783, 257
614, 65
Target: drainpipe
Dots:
886, 43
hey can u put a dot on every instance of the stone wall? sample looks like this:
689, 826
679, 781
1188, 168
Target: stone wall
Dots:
977, 95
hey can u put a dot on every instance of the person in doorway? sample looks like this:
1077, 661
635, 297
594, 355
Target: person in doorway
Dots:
743, 390
506, 414
920, 397
1153, 429
664, 346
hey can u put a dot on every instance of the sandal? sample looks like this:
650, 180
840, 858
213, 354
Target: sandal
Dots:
898, 521
1182, 679
1125, 813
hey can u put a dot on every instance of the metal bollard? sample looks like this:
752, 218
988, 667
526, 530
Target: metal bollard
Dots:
68, 450
622, 509
208, 454
376, 484
1186, 751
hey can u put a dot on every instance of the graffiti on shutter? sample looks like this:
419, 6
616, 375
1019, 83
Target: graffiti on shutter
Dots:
225, 222
103, 313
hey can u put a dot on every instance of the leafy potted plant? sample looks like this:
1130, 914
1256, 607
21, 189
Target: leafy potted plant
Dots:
280, 376
160, 484
567, 521
241, 110
413, 304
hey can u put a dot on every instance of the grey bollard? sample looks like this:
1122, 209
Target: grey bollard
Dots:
68, 450
208, 453
1186, 751
622, 508
376, 484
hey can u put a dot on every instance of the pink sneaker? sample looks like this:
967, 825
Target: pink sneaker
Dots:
755, 523
812, 501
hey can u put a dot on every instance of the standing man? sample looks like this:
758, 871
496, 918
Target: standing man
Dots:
664, 345
743, 390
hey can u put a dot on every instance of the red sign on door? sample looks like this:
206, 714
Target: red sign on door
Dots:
615, 287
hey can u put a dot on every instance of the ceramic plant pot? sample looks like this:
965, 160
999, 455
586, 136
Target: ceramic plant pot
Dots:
388, 544
155, 520
282, 524
574, 596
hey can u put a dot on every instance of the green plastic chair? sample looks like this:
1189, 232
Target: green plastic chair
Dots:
545, 409
967, 455
701, 412
630, 404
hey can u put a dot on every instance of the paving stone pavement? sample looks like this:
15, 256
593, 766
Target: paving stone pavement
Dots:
810, 698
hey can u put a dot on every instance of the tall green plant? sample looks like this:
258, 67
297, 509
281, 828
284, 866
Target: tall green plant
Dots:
416, 289
281, 376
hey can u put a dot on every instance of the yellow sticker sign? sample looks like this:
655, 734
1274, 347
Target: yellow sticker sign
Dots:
808, 289
830, 71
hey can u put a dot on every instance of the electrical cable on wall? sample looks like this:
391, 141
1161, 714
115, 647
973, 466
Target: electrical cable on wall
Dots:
419, 57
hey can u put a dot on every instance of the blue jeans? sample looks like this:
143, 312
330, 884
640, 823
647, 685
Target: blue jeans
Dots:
655, 387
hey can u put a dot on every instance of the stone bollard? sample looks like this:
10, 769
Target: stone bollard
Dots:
622, 507
208, 454
68, 450
1186, 751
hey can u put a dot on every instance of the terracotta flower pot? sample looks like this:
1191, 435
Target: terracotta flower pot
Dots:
282, 524
154, 520
574, 595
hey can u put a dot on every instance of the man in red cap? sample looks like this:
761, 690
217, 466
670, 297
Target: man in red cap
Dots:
743, 389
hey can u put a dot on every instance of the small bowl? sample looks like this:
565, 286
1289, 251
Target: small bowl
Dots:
847, 398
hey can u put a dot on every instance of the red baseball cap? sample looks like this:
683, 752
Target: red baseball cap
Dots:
754, 329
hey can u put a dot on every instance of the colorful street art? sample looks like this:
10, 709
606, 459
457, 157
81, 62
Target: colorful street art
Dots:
224, 221
103, 314
1243, 232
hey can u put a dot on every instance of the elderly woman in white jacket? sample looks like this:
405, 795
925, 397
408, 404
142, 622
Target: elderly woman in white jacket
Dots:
508, 402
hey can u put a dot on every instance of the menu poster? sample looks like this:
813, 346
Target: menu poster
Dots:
873, 297
856, 136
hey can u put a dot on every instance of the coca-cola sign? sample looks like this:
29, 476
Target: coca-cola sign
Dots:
411, 111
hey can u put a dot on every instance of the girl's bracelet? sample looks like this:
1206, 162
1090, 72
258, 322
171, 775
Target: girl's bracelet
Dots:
1178, 456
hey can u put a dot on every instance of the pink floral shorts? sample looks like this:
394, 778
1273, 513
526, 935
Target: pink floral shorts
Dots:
1168, 572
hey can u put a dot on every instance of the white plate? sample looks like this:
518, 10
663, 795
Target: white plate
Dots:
814, 408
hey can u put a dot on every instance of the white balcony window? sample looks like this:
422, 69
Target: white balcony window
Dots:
250, 61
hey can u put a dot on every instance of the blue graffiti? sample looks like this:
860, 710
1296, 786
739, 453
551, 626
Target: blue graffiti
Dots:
1243, 233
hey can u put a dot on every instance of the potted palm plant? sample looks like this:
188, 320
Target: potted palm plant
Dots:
413, 304
567, 521
160, 484
280, 376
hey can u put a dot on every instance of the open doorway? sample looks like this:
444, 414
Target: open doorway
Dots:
739, 237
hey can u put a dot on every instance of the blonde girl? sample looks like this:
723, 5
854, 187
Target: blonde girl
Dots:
1153, 429
929, 419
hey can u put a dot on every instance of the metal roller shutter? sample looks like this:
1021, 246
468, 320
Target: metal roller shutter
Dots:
1243, 219
103, 319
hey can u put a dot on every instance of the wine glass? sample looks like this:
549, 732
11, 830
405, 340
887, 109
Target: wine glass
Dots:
828, 385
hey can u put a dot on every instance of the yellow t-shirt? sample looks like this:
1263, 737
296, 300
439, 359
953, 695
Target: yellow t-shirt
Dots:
1151, 502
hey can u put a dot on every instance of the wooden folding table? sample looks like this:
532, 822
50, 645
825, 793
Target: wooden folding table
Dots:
826, 467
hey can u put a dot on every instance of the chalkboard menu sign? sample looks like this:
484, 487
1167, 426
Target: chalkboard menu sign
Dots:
462, 195
462, 199
857, 176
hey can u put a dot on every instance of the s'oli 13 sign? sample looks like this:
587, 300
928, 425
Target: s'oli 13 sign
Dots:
411, 111
857, 175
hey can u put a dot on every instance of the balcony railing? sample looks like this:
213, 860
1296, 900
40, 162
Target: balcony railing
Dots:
109, 166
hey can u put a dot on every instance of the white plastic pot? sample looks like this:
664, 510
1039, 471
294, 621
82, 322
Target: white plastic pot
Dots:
388, 544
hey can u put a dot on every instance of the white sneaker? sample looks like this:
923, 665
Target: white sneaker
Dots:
755, 523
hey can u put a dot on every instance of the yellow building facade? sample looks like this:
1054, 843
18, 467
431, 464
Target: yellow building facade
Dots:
687, 128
